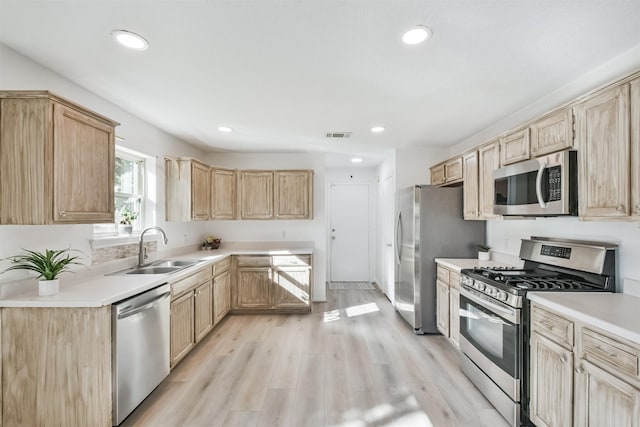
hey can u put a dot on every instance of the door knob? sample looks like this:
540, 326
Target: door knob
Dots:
333, 237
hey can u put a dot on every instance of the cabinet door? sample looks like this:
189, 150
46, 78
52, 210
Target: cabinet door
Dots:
602, 139
514, 147
293, 194
552, 133
256, 195
442, 307
551, 387
635, 148
223, 194
254, 288
454, 316
470, 186
221, 296
489, 159
182, 334
604, 400
83, 168
200, 191
453, 170
292, 286
437, 175
203, 316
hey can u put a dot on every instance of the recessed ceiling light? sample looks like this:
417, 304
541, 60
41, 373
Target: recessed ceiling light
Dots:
417, 35
225, 129
377, 129
130, 40
356, 160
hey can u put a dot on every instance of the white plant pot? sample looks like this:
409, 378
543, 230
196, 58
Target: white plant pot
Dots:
125, 229
48, 287
483, 256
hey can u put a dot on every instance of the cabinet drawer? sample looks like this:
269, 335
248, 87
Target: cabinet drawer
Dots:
221, 266
295, 260
608, 352
191, 282
443, 274
454, 279
557, 328
253, 261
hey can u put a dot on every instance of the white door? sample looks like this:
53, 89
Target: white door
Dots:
349, 232
387, 226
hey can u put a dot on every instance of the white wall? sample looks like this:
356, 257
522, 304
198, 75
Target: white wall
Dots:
280, 230
20, 73
385, 226
357, 176
412, 164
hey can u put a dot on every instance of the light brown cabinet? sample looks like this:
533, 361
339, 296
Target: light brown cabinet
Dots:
223, 193
203, 310
602, 139
187, 189
256, 194
447, 173
515, 147
182, 327
635, 148
278, 283
454, 315
221, 296
470, 189
442, 307
56, 161
489, 161
553, 132
448, 303
293, 193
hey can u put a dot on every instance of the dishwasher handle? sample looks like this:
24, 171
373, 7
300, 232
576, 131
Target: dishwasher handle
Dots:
135, 310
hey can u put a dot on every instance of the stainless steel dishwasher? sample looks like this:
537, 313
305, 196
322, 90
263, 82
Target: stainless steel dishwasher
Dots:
140, 348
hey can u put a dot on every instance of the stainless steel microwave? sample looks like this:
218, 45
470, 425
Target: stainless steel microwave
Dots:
545, 186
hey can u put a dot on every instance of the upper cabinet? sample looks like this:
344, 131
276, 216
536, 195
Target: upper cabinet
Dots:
188, 192
293, 194
489, 160
470, 186
56, 161
256, 189
449, 172
223, 193
553, 132
602, 139
514, 147
635, 148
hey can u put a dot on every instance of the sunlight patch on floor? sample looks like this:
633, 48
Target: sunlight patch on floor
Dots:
331, 316
403, 413
358, 310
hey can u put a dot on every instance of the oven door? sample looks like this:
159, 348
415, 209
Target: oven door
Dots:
545, 186
490, 336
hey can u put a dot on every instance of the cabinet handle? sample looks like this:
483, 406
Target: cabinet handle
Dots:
579, 370
602, 350
637, 208
62, 213
620, 208
546, 324
563, 359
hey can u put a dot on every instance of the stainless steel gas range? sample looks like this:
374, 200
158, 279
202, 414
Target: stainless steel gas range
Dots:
494, 313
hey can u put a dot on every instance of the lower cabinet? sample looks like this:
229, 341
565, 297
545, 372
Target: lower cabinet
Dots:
221, 296
454, 316
278, 283
442, 307
203, 310
551, 382
182, 327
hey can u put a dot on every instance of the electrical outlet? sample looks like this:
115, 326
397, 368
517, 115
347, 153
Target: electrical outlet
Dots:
284, 234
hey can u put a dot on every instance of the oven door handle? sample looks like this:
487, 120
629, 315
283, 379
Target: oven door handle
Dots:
507, 313
541, 169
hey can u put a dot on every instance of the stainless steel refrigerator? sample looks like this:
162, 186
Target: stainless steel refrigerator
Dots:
429, 225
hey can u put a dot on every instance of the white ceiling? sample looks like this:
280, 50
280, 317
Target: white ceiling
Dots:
283, 73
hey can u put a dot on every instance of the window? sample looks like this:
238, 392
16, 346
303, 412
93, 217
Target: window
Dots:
129, 190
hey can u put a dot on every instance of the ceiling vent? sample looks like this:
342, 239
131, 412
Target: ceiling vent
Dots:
338, 135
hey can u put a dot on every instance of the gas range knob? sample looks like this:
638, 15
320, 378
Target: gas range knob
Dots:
501, 295
479, 286
466, 280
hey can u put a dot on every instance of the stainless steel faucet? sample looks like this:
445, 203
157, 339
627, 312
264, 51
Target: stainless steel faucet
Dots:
142, 252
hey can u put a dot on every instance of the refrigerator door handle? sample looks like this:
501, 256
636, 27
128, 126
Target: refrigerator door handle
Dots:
399, 237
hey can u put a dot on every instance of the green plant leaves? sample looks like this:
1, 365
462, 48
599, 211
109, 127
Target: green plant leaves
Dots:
48, 265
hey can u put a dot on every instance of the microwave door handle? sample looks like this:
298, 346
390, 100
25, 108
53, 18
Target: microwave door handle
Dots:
541, 169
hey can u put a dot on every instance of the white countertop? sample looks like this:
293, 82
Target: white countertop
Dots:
615, 313
101, 290
457, 264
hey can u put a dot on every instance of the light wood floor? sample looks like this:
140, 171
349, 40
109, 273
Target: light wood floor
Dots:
352, 363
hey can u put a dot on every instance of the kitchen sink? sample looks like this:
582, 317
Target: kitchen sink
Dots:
153, 270
163, 266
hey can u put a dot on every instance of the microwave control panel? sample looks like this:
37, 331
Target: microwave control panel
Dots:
555, 184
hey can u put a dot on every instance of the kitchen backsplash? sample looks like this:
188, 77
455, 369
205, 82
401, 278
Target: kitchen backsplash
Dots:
101, 255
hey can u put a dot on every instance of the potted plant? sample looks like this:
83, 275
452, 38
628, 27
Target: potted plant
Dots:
48, 265
483, 252
211, 242
126, 217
